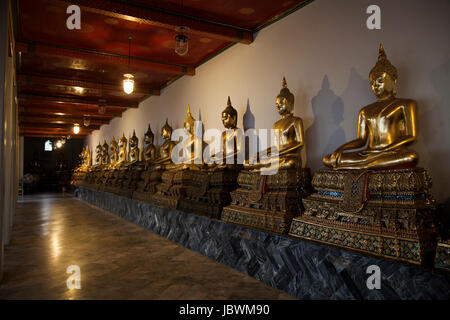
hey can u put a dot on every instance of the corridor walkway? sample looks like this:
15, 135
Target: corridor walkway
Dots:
117, 259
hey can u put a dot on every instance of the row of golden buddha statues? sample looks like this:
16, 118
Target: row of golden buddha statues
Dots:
372, 198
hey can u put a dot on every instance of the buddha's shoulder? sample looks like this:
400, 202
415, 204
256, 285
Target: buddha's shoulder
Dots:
292, 119
406, 102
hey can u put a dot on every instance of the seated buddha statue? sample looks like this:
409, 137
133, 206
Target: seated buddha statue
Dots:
231, 140
149, 152
269, 192
146, 177
122, 155
372, 187
87, 157
192, 160
98, 154
105, 154
164, 156
387, 126
133, 154
290, 141
114, 155
209, 190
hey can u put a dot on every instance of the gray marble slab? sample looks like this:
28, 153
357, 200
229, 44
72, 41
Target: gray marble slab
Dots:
304, 269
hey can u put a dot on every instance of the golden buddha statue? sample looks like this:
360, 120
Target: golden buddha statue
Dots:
155, 164
133, 154
193, 143
122, 155
105, 154
231, 140
114, 155
98, 154
376, 194
87, 157
270, 191
290, 139
149, 152
165, 150
387, 126
209, 190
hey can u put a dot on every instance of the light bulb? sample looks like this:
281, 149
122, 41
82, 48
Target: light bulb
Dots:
128, 83
76, 128
58, 144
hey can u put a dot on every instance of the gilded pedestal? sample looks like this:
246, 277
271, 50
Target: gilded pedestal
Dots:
383, 212
146, 185
442, 259
210, 192
268, 202
172, 188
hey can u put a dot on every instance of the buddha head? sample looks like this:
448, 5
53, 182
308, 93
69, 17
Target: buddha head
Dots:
134, 141
188, 123
123, 141
285, 100
113, 145
149, 136
383, 77
166, 131
229, 116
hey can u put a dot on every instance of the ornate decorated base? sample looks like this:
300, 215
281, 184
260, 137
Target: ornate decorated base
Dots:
120, 180
130, 179
172, 188
386, 212
210, 192
147, 184
78, 178
442, 259
110, 180
268, 202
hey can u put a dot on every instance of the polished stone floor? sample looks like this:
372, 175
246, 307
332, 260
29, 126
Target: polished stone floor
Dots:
117, 259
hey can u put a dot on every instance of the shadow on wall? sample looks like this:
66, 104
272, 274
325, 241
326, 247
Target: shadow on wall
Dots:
434, 132
248, 121
325, 134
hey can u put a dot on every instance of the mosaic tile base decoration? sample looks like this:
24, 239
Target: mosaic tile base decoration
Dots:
302, 268
384, 212
268, 202
442, 259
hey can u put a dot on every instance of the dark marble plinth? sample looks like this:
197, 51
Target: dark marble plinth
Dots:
301, 268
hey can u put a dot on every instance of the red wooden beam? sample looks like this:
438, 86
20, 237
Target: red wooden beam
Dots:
102, 57
62, 126
39, 112
37, 80
50, 108
77, 101
58, 120
51, 135
169, 20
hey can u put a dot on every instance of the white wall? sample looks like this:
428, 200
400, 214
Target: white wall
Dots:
326, 52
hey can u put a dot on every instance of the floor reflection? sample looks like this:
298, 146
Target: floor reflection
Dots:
117, 259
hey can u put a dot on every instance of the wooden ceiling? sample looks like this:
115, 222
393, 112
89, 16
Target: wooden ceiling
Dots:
64, 75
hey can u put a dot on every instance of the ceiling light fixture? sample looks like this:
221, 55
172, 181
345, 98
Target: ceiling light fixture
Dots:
76, 128
86, 121
181, 40
128, 82
59, 144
